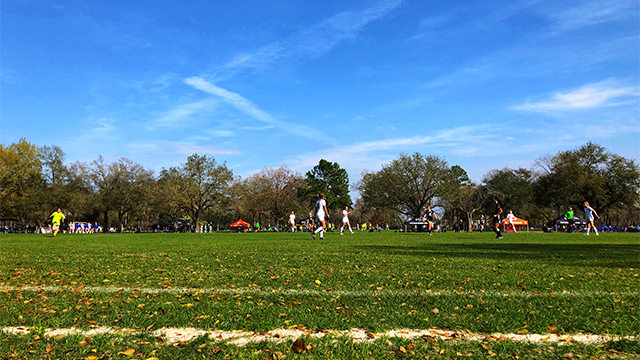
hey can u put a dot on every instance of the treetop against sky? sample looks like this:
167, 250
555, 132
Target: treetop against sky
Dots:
263, 84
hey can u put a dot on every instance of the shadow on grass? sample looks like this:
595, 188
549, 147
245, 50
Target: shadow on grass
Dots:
609, 255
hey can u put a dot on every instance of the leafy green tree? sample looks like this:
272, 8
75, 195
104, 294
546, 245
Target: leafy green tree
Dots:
407, 184
201, 184
274, 191
515, 187
20, 179
332, 180
588, 173
121, 187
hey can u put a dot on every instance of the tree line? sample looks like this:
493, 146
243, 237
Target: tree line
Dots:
35, 180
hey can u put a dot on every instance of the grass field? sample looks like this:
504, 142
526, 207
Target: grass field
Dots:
524, 284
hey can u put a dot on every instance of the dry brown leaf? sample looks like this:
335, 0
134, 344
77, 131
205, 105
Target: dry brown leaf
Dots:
435, 310
299, 346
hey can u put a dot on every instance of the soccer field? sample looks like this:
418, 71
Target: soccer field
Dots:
459, 289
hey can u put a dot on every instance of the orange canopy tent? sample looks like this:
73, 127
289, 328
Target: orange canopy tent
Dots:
517, 222
240, 223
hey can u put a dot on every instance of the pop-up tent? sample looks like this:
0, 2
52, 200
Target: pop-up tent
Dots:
517, 222
240, 223
563, 221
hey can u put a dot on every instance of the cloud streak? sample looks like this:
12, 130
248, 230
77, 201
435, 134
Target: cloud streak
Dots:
317, 39
589, 96
249, 108
182, 112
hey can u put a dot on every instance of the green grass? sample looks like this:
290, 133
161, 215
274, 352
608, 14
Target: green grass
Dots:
540, 283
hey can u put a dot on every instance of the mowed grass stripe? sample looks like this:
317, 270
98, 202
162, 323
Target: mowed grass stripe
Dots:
297, 292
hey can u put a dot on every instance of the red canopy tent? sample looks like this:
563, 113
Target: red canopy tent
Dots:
240, 223
517, 222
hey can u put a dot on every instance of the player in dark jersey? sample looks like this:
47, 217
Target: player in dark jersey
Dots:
429, 216
496, 217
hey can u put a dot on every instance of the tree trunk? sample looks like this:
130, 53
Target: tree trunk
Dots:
106, 222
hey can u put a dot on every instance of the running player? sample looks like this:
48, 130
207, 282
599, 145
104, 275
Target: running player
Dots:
58, 217
496, 218
430, 215
589, 212
321, 213
292, 221
310, 222
481, 223
510, 219
345, 220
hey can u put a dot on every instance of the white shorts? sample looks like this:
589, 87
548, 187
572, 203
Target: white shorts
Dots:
345, 220
320, 217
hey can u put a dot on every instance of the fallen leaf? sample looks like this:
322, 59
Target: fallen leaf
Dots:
299, 346
49, 350
88, 339
127, 352
318, 282
403, 349
442, 352
435, 310
485, 347
523, 332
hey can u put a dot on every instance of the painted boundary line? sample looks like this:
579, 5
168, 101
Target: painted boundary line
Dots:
285, 292
241, 338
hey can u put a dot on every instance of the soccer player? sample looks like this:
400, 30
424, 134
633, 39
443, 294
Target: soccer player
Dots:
510, 219
345, 220
292, 221
321, 213
481, 223
429, 216
569, 216
496, 217
58, 217
310, 222
589, 212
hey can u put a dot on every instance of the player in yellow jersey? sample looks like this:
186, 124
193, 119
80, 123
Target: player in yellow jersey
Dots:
58, 217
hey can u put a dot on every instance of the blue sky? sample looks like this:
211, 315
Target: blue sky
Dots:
268, 83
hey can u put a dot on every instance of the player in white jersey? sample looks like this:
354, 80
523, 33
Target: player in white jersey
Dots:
589, 217
292, 221
345, 220
321, 214
510, 219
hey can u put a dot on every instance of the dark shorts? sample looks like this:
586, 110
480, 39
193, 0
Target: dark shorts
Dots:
571, 221
496, 220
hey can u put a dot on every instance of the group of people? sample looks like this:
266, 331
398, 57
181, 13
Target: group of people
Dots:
589, 217
320, 219
58, 224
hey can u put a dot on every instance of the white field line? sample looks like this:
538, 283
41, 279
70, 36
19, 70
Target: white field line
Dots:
241, 338
290, 292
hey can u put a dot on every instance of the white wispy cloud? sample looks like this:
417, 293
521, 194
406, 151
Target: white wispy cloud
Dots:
597, 95
476, 140
248, 107
591, 13
317, 39
234, 99
182, 112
